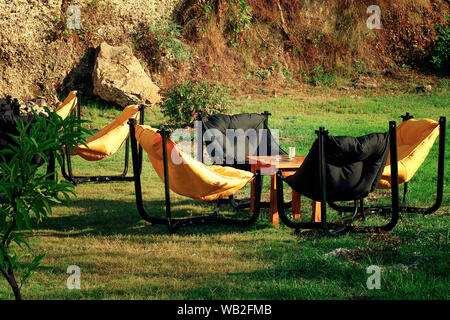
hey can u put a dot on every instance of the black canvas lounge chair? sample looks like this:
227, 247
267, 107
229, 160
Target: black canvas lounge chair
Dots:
344, 169
263, 145
9, 114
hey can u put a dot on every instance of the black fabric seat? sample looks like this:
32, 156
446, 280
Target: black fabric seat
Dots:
261, 145
264, 144
353, 167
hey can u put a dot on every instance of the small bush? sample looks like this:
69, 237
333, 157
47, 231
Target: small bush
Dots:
320, 77
167, 35
182, 102
239, 17
441, 57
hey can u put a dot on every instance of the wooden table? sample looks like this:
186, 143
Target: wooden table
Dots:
269, 165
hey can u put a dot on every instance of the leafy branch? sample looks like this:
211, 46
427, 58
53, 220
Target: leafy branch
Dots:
28, 192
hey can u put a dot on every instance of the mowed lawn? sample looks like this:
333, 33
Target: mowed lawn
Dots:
123, 257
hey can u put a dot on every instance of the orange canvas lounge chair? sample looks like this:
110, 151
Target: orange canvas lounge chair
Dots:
68, 105
103, 144
185, 176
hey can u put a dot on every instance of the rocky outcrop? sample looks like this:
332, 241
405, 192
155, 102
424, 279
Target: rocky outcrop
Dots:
119, 77
38, 53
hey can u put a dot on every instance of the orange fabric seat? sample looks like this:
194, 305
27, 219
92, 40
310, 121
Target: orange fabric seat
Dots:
188, 176
414, 141
66, 107
110, 139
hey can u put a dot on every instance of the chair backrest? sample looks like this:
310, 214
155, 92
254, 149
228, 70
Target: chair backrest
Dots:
230, 139
414, 141
66, 107
188, 176
353, 166
111, 138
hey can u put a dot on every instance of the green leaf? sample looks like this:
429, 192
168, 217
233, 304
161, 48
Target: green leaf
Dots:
23, 213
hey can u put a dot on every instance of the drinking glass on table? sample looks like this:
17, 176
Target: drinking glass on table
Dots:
291, 153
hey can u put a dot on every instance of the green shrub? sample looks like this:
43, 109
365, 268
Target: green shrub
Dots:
441, 57
27, 192
168, 37
239, 17
182, 102
236, 14
321, 77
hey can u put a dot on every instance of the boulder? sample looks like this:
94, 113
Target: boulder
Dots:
119, 77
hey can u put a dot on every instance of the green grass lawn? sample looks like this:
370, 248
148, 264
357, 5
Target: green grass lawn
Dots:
123, 257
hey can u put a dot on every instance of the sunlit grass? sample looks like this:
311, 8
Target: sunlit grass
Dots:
123, 257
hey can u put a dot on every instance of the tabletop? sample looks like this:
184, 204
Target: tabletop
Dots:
276, 162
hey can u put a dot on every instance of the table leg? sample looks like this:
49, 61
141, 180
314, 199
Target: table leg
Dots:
316, 211
296, 204
273, 201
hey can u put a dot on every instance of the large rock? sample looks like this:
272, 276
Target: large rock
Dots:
36, 56
119, 77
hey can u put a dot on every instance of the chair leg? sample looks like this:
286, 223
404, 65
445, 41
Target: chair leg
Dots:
164, 133
440, 175
137, 166
127, 157
405, 192
361, 209
328, 229
68, 175
395, 206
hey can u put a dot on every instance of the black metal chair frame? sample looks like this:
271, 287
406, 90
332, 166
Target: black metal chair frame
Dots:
174, 223
362, 211
336, 229
236, 204
68, 173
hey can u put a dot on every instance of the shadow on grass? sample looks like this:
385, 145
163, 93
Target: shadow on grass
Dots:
117, 217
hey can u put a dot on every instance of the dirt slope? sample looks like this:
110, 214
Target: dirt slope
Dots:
240, 42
